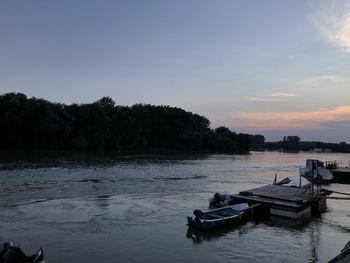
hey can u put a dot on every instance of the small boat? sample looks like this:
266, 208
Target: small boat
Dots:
224, 216
9, 253
315, 170
344, 255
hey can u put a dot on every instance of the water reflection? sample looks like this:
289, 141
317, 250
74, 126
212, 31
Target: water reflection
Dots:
315, 237
287, 223
139, 204
10, 160
103, 201
199, 236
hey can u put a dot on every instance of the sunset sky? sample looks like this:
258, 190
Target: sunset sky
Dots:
270, 67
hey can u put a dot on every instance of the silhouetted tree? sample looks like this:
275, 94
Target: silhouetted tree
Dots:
31, 123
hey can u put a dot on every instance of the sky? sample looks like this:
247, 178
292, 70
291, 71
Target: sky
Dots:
266, 67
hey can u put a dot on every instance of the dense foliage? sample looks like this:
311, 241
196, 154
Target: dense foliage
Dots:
31, 123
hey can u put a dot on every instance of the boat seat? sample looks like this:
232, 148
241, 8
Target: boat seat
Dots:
214, 217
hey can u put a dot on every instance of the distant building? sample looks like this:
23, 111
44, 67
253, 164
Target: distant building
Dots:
291, 138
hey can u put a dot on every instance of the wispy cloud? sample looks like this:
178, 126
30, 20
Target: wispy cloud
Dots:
334, 22
323, 80
267, 121
272, 96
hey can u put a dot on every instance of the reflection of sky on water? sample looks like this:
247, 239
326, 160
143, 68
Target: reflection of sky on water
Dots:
137, 213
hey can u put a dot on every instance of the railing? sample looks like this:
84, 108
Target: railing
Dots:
335, 165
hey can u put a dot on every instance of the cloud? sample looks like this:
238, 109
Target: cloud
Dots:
272, 97
334, 22
269, 121
323, 80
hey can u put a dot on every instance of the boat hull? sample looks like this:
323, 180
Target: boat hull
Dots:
207, 225
220, 217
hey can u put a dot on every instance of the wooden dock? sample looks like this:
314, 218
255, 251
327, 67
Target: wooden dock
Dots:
340, 171
341, 175
283, 201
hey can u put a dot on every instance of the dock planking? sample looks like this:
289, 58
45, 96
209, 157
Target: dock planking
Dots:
285, 193
281, 200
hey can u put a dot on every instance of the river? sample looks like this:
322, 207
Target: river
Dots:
133, 209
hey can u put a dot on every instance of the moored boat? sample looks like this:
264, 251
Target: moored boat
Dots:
224, 216
344, 255
9, 253
315, 170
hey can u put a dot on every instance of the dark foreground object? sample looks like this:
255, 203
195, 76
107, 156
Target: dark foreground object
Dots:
9, 253
341, 175
220, 217
344, 255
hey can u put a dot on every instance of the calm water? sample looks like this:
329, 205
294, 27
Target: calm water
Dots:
134, 209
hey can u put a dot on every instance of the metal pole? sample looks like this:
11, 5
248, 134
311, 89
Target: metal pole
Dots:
312, 181
318, 181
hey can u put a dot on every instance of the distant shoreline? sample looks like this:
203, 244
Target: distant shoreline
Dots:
39, 125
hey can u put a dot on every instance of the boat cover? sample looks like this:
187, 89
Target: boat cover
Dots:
294, 181
241, 206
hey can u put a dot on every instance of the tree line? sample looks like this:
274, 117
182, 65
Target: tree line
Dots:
293, 143
37, 124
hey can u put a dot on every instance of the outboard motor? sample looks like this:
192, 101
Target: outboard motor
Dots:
216, 200
9, 253
217, 197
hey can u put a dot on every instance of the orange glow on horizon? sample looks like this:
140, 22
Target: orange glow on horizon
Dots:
292, 120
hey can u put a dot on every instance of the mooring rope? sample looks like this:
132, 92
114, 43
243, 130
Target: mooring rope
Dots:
336, 192
334, 197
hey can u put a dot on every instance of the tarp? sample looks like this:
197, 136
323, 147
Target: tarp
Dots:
294, 181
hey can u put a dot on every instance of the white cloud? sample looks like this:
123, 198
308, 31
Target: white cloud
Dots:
272, 97
334, 22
